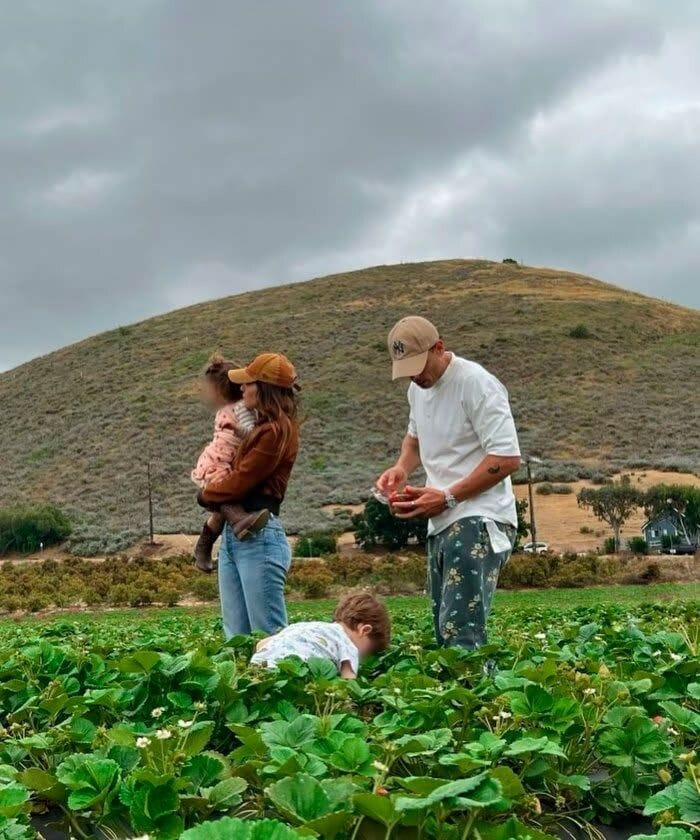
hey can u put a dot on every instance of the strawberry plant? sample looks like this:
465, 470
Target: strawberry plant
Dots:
155, 727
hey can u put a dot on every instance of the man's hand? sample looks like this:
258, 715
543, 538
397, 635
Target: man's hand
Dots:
392, 480
419, 501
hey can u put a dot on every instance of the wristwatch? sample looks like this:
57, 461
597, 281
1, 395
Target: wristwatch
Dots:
450, 500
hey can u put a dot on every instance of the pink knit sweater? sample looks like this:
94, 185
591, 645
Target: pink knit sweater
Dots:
232, 422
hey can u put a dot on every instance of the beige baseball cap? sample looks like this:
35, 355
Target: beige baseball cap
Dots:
409, 342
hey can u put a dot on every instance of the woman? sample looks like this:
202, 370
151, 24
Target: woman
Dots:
252, 573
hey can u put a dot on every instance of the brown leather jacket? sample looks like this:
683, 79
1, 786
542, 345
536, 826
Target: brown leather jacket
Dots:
260, 469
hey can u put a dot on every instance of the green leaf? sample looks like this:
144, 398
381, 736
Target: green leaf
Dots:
511, 786
681, 797
37, 779
289, 734
227, 793
230, 828
425, 743
140, 661
694, 690
483, 792
574, 780
197, 737
379, 808
544, 746
353, 756
300, 798
82, 730
639, 741
203, 770
512, 829
682, 717
12, 799
180, 699
665, 833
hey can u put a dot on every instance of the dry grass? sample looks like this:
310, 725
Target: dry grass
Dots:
80, 424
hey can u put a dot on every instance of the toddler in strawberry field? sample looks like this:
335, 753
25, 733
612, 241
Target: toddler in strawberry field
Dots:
232, 422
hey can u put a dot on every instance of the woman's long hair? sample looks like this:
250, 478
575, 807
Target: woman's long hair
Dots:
280, 408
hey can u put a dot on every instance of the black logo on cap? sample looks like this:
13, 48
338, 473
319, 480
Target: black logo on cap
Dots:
398, 348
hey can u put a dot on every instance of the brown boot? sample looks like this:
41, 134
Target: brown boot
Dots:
203, 548
245, 525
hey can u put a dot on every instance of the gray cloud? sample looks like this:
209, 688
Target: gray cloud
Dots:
159, 153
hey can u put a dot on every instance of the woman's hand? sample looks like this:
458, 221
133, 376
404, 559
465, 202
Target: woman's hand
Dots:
418, 501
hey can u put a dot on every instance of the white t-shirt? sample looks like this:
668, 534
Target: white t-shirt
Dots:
307, 639
461, 419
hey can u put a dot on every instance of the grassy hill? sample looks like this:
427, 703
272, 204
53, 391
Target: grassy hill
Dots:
79, 425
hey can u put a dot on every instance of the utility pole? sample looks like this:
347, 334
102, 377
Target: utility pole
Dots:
150, 503
530, 459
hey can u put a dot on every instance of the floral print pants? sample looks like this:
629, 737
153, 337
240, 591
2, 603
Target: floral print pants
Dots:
463, 572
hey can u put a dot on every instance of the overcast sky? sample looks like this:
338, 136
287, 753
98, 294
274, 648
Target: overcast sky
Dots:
156, 153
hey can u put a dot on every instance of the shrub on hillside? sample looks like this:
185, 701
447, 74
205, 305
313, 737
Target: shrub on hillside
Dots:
27, 528
548, 489
375, 526
580, 331
638, 545
315, 544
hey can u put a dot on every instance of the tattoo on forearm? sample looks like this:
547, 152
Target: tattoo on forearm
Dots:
494, 469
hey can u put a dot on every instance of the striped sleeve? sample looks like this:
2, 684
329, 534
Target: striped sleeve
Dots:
245, 418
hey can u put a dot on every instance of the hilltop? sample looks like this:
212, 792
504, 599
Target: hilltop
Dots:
80, 424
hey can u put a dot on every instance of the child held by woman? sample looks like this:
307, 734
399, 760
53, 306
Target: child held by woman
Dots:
232, 422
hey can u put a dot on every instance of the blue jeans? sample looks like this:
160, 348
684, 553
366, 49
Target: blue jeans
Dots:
252, 575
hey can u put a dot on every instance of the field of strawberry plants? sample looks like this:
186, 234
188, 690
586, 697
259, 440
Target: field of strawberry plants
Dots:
146, 725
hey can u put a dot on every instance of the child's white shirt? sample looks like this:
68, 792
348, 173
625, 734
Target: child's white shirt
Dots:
307, 639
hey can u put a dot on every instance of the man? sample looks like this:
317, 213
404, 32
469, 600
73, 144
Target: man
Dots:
461, 429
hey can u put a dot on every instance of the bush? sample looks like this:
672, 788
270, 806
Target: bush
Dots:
311, 577
350, 570
638, 545
510, 261
585, 529
26, 528
651, 574
315, 544
580, 331
402, 573
609, 545
375, 526
545, 489
205, 588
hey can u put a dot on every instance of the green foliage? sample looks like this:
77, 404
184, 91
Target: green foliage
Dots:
546, 489
613, 503
521, 506
680, 502
376, 526
638, 545
315, 544
25, 529
580, 331
152, 726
